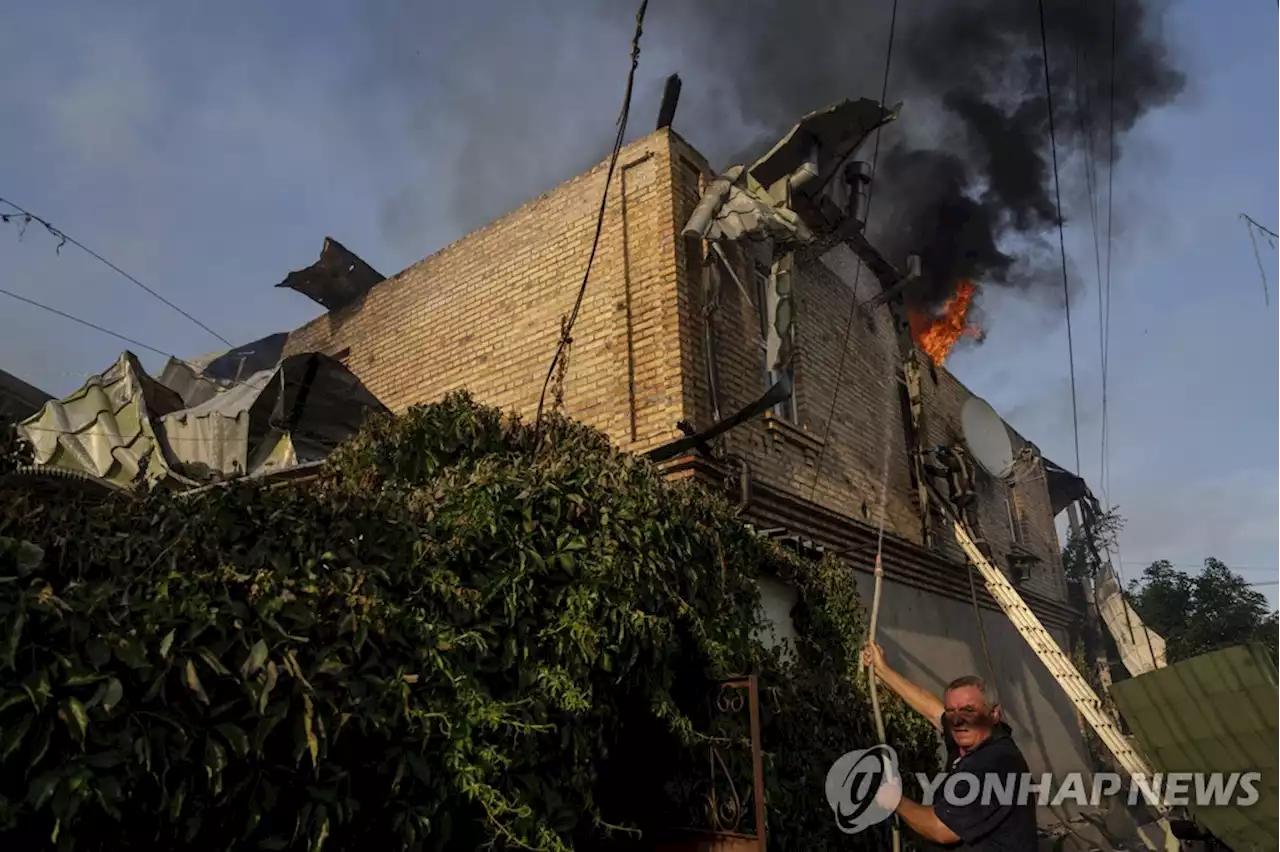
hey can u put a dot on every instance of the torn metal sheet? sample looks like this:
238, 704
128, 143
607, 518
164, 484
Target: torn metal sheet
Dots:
295, 413
1213, 713
336, 280
1064, 486
186, 380
1141, 649
105, 429
125, 427
836, 131
735, 207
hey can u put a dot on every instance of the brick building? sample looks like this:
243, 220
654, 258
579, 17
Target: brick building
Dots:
670, 331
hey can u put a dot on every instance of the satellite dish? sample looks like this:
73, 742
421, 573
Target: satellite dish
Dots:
986, 437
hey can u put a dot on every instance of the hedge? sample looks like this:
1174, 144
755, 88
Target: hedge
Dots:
463, 632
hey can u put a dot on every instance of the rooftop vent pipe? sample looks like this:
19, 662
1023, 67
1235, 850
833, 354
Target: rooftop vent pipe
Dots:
670, 99
857, 176
808, 168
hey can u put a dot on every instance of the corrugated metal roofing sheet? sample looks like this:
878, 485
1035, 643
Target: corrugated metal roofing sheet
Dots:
1141, 649
104, 429
123, 421
215, 435
1214, 713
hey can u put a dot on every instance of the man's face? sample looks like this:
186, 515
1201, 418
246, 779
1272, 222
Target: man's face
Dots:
970, 718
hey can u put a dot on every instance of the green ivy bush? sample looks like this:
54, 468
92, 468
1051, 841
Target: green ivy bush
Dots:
463, 633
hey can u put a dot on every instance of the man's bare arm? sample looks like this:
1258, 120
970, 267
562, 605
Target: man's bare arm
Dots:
918, 698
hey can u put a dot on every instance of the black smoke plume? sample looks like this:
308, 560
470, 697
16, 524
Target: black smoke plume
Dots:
965, 176
526, 95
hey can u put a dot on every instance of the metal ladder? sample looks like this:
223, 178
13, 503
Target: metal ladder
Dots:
1058, 664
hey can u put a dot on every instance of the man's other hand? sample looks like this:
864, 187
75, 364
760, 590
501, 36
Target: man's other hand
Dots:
889, 796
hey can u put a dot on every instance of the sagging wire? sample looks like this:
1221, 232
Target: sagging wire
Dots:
1105, 448
86, 323
857, 275
566, 328
28, 217
118, 336
1253, 227
1062, 244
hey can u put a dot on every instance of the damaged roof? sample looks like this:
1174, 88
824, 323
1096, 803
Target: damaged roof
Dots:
105, 428
123, 426
336, 280
744, 203
838, 130
736, 207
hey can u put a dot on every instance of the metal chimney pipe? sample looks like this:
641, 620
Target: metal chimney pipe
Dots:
913, 266
670, 99
857, 175
808, 168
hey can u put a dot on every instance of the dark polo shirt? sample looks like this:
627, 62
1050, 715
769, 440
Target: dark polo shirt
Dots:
990, 826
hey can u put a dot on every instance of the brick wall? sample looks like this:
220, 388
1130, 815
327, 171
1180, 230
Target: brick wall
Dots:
944, 397
842, 466
484, 313
790, 455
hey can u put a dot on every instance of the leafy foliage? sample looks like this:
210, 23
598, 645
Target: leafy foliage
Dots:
1084, 546
462, 633
14, 452
1216, 608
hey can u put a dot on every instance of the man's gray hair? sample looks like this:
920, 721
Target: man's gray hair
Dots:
988, 694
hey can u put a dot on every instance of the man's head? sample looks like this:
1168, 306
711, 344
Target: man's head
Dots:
971, 710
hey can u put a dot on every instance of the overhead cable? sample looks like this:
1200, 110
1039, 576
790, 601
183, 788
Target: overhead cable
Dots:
28, 217
1062, 244
857, 275
566, 329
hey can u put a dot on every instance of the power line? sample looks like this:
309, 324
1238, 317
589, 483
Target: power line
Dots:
566, 329
857, 275
86, 323
1062, 243
1105, 449
1084, 115
1252, 227
63, 238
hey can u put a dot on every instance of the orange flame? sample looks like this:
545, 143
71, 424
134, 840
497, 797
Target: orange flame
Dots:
937, 334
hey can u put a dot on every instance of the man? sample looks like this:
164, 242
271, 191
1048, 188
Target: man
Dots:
977, 743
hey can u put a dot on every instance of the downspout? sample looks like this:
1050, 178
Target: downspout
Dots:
710, 304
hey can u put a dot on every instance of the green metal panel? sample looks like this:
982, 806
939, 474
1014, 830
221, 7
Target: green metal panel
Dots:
1216, 712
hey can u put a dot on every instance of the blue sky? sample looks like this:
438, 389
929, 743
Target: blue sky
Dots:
208, 149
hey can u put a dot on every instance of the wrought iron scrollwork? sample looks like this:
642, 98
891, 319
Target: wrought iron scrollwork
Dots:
723, 812
726, 803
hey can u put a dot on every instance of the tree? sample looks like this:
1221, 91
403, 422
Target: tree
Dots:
1083, 551
1214, 609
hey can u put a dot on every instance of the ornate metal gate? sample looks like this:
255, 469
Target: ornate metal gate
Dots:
734, 813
